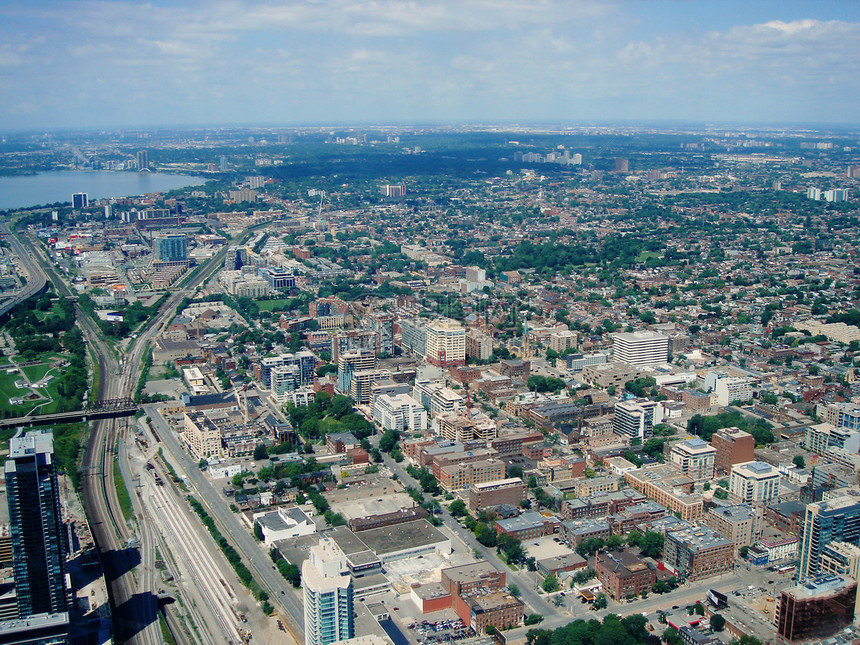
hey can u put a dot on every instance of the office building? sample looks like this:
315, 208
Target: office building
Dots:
817, 609
39, 542
278, 278
640, 348
694, 458
624, 574
142, 160
446, 343
634, 419
733, 446
825, 522
510, 491
754, 482
328, 595
741, 524
172, 247
698, 552
80, 200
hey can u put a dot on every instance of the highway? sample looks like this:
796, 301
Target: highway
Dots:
36, 279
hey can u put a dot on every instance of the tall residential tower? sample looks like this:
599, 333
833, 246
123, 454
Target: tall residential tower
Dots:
328, 598
39, 543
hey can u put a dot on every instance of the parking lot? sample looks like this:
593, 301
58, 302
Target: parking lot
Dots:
443, 631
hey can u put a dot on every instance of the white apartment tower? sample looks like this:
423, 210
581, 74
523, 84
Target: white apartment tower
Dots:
446, 343
328, 595
694, 458
640, 348
754, 482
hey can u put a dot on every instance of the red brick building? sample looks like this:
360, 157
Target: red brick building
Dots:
733, 446
624, 574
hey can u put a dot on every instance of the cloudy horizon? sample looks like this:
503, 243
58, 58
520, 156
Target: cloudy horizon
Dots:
118, 64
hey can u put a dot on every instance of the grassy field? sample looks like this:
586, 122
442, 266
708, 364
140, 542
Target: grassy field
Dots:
36, 372
645, 255
8, 391
50, 392
271, 305
54, 310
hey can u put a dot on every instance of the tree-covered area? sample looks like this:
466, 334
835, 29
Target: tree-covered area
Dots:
539, 383
614, 250
706, 426
38, 327
630, 630
329, 414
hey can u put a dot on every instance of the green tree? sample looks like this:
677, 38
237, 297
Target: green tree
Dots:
718, 623
550, 583
746, 639
457, 508
799, 461
672, 636
600, 601
485, 535
514, 590
260, 453
651, 545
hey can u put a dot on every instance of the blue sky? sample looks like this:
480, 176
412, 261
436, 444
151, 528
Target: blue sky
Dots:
66, 64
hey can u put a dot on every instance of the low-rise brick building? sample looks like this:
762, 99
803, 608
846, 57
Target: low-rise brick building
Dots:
698, 552
494, 493
478, 610
624, 574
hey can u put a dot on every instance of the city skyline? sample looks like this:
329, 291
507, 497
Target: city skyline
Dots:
117, 64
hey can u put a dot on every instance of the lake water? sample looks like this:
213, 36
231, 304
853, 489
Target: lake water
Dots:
50, 187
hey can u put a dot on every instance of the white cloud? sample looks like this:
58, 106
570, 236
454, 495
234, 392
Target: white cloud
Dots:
420, 59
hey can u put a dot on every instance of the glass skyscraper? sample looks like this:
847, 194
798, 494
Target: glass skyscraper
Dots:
833, 520
170, 248
39, 542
